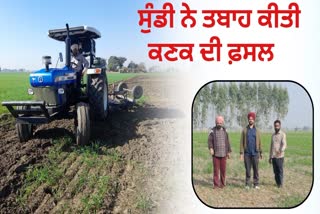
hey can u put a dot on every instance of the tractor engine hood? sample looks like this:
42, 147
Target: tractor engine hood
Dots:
52, 77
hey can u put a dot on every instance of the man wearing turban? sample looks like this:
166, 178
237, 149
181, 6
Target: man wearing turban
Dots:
219, 146
250, 150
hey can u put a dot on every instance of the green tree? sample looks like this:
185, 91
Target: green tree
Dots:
132, 67
232, 101
204, 99
222, 99
196, 112
142, 67
213, 98
281, 103
115, 63
242, 105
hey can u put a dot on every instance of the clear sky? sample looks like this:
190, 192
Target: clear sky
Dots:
24, 26
300, 107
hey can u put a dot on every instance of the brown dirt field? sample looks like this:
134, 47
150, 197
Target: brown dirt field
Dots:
137, 183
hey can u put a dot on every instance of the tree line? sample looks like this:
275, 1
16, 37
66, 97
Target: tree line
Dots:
116, 63
234, 100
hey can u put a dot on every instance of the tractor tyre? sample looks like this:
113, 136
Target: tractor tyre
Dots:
24, 130
122, 86
137, 92
98, 96
82, 124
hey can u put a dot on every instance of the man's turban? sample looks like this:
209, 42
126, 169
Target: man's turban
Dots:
252, 114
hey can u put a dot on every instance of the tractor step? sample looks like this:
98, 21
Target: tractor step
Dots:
32, 120
28, 112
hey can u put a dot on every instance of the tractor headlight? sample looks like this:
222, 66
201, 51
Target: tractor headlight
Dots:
94, 71
60, 91
30, 91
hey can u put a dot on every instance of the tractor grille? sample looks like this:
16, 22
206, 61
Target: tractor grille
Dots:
49, 95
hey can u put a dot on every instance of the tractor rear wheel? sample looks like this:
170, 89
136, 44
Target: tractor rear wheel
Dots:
24, 130
98, 96
82, 124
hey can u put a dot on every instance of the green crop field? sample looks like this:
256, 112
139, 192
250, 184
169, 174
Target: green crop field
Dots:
298, 174
14, 86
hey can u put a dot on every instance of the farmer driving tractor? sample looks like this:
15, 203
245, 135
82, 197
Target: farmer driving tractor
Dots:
79, 64
54, 88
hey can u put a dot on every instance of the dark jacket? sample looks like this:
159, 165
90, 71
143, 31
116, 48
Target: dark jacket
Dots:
243, 140
212, 140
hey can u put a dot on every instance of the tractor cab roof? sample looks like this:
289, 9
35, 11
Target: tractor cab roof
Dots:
78, 33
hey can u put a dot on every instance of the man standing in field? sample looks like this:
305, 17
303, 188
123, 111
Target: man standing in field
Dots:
219, 146
250, 150
277, 147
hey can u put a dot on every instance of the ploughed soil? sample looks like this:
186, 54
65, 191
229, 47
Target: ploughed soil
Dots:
141, 138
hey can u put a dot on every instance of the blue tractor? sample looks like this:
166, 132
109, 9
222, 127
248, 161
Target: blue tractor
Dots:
56, 92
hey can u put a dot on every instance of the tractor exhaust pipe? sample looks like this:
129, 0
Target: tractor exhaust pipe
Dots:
68, 48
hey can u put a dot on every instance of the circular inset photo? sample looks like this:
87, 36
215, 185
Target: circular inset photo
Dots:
252, 144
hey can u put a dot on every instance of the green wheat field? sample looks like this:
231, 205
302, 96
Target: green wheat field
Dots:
298, 174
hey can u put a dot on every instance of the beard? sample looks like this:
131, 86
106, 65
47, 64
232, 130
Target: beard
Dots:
276, 130
74, 53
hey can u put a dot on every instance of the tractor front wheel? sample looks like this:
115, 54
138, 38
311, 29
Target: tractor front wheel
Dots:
82, 124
